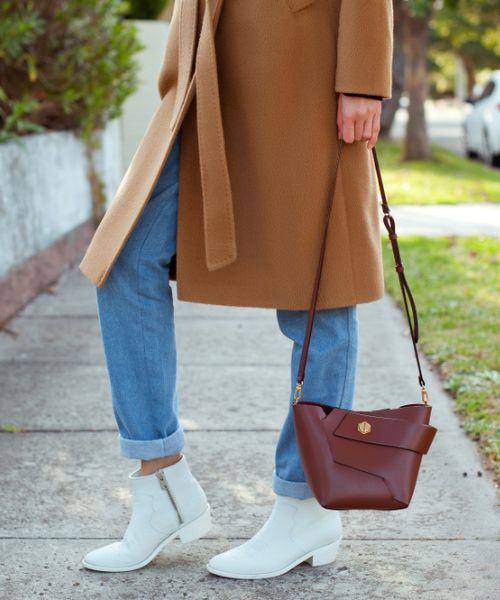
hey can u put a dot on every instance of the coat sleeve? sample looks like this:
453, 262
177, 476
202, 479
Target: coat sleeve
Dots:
363, 95
365, 47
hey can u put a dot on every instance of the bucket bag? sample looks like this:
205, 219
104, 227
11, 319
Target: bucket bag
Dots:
357, 459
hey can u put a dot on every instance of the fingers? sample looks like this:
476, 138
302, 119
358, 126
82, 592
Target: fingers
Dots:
358, 119
362, 122
367, 128
348, 131
375, 128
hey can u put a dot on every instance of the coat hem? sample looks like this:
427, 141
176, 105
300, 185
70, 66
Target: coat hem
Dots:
346, 301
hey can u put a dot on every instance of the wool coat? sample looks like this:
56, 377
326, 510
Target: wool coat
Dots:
252, 86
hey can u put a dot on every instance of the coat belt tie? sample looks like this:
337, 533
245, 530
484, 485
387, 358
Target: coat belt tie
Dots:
218, 212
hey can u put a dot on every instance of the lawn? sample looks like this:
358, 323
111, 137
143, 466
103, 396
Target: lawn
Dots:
455, 282
446, 178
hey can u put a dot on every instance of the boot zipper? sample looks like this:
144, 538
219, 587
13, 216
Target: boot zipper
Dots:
164, 485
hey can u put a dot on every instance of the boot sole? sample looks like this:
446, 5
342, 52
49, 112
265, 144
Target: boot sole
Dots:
189, 532
316, 558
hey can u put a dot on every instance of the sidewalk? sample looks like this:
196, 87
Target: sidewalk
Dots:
63, 487
468, 218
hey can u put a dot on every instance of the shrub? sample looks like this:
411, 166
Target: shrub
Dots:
64, 64
145, 9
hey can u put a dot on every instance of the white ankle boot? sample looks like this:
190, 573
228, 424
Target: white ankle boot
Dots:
167, 504
296, 531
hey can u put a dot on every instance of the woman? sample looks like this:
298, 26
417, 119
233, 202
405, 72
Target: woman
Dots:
226, 194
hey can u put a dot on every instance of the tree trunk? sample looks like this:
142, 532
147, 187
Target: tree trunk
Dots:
470, 71
390, 106
416, 81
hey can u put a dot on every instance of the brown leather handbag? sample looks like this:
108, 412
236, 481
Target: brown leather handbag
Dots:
355, 458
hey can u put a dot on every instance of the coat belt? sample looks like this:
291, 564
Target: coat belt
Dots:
218, 212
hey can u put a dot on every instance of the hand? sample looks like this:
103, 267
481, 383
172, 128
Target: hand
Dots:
358, 119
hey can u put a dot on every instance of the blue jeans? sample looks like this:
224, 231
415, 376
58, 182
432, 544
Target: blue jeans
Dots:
135, 310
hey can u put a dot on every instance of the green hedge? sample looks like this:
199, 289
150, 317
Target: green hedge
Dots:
64, 64
145, 9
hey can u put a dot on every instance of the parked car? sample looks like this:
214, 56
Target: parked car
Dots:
482, 124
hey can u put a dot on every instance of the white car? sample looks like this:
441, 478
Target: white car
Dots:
482, 124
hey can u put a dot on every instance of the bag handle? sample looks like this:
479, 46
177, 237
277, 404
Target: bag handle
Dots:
405, 289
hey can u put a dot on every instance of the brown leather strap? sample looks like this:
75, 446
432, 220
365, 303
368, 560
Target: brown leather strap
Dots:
405, 289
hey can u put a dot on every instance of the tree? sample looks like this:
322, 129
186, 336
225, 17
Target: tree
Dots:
390, 106
472, 31
416, 19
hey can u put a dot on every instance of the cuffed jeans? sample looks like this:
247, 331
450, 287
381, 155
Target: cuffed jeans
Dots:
135, 310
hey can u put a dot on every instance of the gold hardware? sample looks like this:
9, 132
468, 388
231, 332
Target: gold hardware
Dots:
425, 397
297, 393
364, 427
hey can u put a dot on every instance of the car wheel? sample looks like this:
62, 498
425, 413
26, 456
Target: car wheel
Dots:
490, 157
468, 152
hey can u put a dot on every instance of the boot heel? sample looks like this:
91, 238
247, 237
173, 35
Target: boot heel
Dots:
324, 555
197, 528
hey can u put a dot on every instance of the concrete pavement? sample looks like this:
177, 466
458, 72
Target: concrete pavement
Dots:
63, 487
468, 218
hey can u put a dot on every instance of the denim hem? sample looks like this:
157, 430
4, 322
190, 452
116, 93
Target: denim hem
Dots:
149, 449
295, 489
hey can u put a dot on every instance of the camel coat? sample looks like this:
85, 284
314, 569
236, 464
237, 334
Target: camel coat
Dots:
254, 84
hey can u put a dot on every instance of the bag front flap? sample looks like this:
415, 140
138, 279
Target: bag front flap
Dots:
370, 428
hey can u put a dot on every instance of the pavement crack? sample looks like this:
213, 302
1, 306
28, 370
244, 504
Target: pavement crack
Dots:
186, 430
238, 538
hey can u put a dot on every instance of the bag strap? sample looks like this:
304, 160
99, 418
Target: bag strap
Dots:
405, 289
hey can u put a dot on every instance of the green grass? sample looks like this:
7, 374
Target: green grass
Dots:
446, 179
455, 282
10, 428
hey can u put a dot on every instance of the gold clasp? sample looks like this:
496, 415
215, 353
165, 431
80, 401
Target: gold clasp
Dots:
364, 427
297, 393
425, 397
